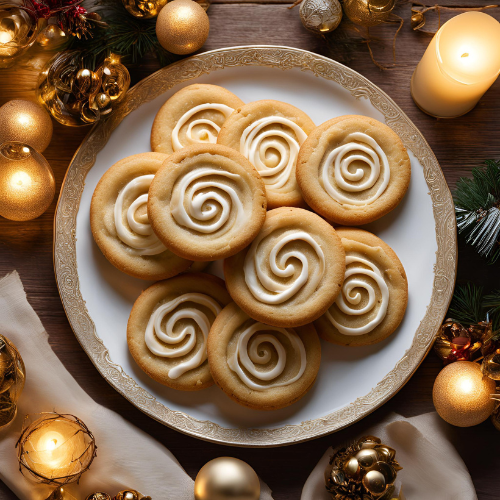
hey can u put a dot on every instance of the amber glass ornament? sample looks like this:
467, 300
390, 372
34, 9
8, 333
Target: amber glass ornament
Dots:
144, 9
77, 96
18, 31
364, 470
12, 377
27, 185
368, 12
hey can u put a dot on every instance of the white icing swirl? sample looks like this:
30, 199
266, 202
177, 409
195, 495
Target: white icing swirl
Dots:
154, 332
137, 233
204, 128
355, 278
271, 291
260, 354
196, 200
265, 149
365, 149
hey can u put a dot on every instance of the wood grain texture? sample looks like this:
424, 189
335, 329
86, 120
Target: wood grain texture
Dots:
459, 145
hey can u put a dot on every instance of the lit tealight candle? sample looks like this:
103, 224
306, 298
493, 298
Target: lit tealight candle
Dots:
459, 66
56, 449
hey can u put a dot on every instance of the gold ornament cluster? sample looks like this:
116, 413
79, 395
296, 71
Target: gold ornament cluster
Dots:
365, 470
77, 96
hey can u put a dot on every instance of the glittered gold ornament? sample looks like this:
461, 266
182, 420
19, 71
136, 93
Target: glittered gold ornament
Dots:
12, 377
320, 16
27, 185
51, 37
130, 495
368, 12
26, 122
182, 27
365, 470
144, 9
462, 396
60, 493
226, 478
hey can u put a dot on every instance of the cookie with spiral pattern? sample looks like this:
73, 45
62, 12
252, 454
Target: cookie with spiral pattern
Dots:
194, 114
353, 170
270, 134
168, 328
206, 202
291, 273
374, 294
120, 223
261, 366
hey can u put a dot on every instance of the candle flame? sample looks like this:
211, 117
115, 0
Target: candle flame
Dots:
465, 54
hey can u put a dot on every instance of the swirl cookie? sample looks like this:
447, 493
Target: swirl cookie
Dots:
291, 273
374, 293
120, 224
261, 366
269, 134
353, 170
168, 328
206, 202
193, 115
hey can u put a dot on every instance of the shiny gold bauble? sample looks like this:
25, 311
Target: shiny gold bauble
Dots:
51, 37
27, 185
368, 12
320, 16
144, 9
26, 122
98, 495
182, 27
226, 478
461, 394
491, 365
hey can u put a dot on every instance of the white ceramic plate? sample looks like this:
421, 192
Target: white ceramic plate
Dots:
352, 381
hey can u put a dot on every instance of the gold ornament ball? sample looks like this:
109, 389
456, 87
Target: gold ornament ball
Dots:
368, 12
144, 9
226, 478
98, 495
182, 27
462, 396
26, 122
320, 16
27, 185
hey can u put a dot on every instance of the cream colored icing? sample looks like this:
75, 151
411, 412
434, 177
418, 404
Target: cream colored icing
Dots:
267, 153
365, 149
271, 291
137, 233
203, 134
207, 205
260, 354
154, 332
348, 297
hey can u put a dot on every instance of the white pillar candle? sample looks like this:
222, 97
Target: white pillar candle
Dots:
459, 66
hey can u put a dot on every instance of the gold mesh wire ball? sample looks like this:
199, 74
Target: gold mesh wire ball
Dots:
55, 448
12, 378
27, 185
27, 122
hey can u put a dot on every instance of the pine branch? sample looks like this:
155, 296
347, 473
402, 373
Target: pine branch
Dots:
492, 303
466, 306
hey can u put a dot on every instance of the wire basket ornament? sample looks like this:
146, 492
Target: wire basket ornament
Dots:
55, 448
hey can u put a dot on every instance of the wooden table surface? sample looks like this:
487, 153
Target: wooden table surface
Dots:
459, 145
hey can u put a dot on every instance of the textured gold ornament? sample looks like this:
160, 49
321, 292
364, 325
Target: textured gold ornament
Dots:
26, 122
365, 470
27, 185
320, 16
182, 27
368, 12
98, 495
144, 9
130, 495
226, 478
462, 396
51, 37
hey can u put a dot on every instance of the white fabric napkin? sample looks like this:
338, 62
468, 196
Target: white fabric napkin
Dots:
432, 468
126, 456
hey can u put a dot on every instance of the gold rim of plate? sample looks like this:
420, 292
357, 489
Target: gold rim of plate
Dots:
284, 58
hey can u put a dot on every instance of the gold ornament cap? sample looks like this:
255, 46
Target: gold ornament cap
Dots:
226, 478
26, 122
182, 27
462, 395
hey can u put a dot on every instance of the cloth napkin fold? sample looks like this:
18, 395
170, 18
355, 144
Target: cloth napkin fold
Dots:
432, 468
126, 457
